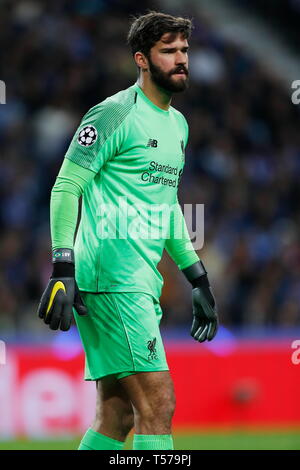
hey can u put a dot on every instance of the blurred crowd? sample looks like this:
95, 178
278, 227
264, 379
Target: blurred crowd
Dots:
242, 162
281, 15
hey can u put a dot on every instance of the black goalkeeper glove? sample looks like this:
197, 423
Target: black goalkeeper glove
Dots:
61, 293
205, 317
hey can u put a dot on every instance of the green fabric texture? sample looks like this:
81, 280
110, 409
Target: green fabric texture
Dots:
126, 160
63, 217
93, 440
179, 245
117, 334
153, 442
70, 183
107, 117
69, 186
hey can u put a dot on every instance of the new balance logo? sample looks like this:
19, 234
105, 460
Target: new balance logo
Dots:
152, 143
151, 346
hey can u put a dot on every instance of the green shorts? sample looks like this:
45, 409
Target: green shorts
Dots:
120, 334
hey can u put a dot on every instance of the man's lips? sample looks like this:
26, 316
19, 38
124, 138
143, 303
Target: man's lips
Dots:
181, 72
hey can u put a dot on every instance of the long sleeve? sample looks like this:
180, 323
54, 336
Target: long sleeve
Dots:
70, 184
94, 143
179, 245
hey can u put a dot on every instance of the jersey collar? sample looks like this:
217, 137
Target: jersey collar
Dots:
140, 92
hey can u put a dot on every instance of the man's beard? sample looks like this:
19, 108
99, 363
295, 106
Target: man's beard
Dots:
164, 80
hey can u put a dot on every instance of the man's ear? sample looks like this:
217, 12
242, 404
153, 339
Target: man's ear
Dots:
141, 61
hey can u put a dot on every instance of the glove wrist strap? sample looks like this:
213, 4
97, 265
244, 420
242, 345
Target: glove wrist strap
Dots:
63, 270
194, 271
196, 274
63, 255
63, 263
201, 281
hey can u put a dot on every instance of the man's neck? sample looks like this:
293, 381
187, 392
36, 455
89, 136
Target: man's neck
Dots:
159, 97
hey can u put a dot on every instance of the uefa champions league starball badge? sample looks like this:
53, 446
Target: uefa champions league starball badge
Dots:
87, 136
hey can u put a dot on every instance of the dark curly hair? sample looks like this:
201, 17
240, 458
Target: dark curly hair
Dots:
146, 30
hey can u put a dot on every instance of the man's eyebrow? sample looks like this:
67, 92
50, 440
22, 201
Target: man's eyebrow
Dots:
172, 49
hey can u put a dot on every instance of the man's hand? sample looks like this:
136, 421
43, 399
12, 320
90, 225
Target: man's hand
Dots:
205, 321
61, 293
205, 317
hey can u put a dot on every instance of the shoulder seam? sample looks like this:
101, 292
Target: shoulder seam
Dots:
118, 127
114, 117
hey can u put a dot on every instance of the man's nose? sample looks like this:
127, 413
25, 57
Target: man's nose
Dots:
181, 58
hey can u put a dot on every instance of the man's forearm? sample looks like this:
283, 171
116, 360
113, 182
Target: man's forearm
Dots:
179, 245
63, 218
70, 184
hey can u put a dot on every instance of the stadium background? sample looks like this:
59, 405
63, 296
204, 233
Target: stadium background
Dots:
243, 162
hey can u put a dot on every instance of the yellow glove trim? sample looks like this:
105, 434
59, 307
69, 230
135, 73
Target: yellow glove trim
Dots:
57, 286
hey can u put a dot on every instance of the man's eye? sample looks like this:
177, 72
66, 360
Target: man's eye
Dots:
172, 52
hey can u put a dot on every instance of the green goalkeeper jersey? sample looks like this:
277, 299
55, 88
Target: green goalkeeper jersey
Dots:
129, 208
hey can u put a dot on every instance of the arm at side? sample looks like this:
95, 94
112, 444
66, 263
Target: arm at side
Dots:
70, 183
179, 245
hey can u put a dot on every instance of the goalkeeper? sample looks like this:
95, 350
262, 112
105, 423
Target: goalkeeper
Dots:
128, 150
